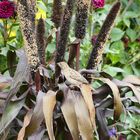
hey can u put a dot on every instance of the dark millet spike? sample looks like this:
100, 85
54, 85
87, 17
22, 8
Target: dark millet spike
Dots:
32, 10
64, 32
98, 49
28, 34
40, 38
57, 12
81, 18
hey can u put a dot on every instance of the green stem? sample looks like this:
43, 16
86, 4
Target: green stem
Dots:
5, 32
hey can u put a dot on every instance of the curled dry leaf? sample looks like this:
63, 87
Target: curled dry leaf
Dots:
69, 114
37, 116
126, 83
49, 102
83, 118
122, 84
134, 109
86, 91
132, 79
117, 100
26, 122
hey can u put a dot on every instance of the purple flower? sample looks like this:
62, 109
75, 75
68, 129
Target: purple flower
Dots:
112, 132
6, 9
98, 3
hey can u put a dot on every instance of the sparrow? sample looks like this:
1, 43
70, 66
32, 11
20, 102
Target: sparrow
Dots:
71, 75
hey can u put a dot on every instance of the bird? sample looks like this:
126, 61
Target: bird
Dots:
71, 75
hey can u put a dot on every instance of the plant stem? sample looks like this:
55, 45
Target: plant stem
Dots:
5, 36
57, 37
77, 56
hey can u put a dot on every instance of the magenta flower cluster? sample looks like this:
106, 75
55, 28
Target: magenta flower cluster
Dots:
98, 3
7, 9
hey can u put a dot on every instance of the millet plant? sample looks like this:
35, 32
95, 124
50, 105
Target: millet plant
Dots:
55, 99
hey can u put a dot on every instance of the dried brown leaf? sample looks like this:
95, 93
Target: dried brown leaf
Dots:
68, 111
132, 87
49, 102
26, 122
132, 79
117, 100
86, 91
37, 116
83, 118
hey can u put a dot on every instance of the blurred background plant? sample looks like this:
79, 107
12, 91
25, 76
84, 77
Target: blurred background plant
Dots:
121, 56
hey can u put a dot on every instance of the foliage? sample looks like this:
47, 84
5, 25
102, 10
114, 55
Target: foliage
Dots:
68, 103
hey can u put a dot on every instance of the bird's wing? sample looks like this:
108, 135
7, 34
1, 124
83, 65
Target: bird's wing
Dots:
78, 77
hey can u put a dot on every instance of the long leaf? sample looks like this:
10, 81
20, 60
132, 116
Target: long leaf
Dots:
122, 84
21, 75
10, 113
132, 79
49, 102
27, 120
69, 113
83, 118
37, 116
117, 100
87, 94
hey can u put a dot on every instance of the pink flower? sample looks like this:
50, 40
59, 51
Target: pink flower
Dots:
98, 3
6, 9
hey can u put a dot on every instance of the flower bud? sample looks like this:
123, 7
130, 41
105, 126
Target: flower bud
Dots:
98, 3
57, 12
81, 18
7, 9
40, 35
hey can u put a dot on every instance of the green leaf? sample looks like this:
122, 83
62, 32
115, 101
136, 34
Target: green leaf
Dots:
51, 47
116, 34
112, 70
128, 70
132, 34
42, 6
3, 62
126, 22
131, 14
117, 47
117, 53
